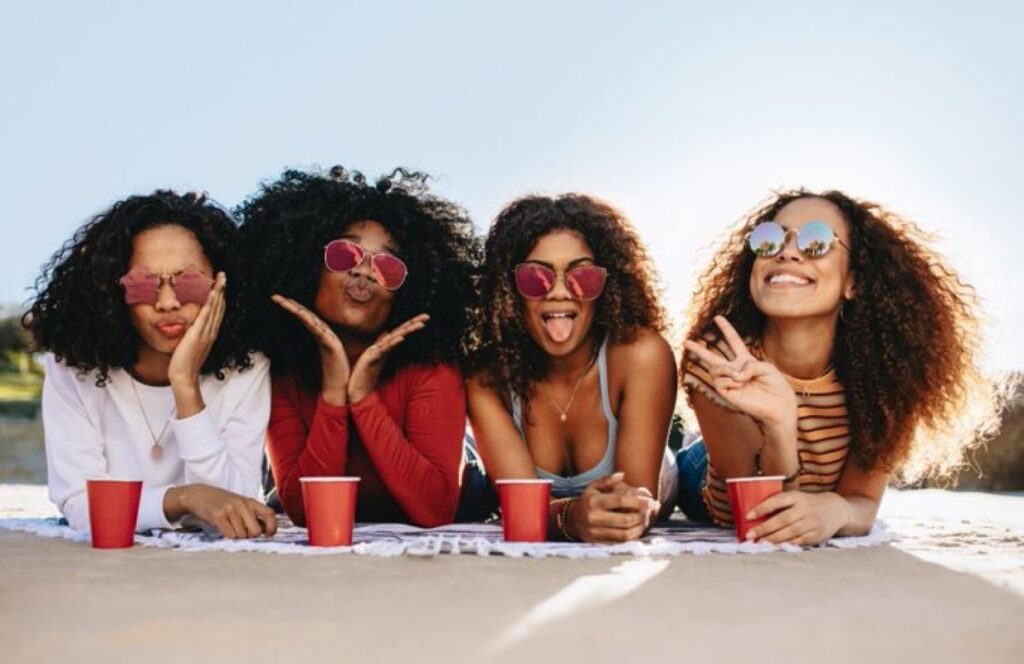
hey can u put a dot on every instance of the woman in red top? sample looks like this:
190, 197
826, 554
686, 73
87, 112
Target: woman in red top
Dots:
363, 294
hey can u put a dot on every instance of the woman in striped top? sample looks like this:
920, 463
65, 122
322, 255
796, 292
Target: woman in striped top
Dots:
829, 345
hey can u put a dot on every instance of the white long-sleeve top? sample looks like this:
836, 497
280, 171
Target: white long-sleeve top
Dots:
93, 432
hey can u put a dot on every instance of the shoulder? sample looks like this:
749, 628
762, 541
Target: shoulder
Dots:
441, 373
240, 381
648, 350
59, 373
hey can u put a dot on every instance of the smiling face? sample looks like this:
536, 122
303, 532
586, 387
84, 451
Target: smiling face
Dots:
791, 285
557, 322
354, 300
165, 250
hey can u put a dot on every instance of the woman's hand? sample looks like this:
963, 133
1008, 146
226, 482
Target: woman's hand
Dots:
755, 387
609, 510
187, 359
235, 516
334, 365
370, 363
800, 518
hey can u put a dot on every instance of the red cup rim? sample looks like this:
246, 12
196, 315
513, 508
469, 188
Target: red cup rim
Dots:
112, 479
759, 478
329, 479
537, 481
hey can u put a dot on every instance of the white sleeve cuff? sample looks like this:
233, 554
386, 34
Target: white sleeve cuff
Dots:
196, 436
151, 509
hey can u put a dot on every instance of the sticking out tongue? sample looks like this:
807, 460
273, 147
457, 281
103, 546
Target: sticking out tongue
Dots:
559, 328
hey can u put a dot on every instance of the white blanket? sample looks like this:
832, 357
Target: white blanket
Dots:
394, 540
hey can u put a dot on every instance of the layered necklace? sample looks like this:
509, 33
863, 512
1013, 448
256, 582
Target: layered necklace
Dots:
563, 413
156, 452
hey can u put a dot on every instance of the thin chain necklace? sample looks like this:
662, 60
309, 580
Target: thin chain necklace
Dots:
805, 385
156, 452
563, 413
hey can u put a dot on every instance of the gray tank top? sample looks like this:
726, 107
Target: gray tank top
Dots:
561, 486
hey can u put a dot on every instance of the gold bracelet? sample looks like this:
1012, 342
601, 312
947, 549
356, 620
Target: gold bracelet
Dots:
561, 516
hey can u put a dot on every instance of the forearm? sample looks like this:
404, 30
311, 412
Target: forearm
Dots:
188, 400
297, 452
779, 455
420, 470
210, 460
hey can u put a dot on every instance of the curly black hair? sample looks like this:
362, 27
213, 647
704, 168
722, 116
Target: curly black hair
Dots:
79, 312
906, 346
286, 225
629, 302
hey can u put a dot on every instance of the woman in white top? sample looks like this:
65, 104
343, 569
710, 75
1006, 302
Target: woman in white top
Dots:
147, 373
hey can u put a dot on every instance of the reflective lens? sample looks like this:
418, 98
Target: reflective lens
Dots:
190, 286
389, 270
534, 281
767, 239
344, 255
815, 239
587, 282
583, 283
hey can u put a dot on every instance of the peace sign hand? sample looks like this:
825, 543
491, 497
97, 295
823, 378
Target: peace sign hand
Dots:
370, 363
753, 386
333, 361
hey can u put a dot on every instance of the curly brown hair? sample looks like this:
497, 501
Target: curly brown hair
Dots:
629, 302
906, 345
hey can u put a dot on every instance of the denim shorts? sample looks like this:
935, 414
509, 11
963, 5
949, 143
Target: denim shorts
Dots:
692, 462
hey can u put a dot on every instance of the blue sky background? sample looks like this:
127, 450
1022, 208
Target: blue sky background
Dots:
684, 114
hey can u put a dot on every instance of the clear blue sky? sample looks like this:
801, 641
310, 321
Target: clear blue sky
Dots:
684, 114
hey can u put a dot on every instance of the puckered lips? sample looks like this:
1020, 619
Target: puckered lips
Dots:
361, 291
559, 323
172, 327
787, 278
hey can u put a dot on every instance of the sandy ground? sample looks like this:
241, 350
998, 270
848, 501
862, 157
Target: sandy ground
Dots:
952, 590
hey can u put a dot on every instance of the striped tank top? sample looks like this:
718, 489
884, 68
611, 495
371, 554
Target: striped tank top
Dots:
823, 430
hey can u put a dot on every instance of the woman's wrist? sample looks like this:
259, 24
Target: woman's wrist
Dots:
188, 399
334, 396
174, 503
779, 454
563, 519
357, 395
843, 519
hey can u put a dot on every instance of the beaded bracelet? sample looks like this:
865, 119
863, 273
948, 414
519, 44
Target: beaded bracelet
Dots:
561, 516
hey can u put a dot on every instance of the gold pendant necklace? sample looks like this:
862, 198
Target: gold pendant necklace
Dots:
563, 413
156, 452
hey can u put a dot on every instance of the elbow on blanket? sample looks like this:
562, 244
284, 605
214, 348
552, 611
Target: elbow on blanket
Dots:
440, 513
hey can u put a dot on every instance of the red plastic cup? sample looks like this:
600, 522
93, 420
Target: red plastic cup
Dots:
330, 504
524, 509
113, 511
745, 493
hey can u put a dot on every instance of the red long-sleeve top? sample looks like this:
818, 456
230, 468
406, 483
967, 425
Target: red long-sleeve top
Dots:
404, 440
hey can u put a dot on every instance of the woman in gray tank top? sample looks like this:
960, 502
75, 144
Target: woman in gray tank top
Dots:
574, 382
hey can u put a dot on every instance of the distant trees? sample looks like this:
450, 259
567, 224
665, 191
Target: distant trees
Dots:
15, 346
